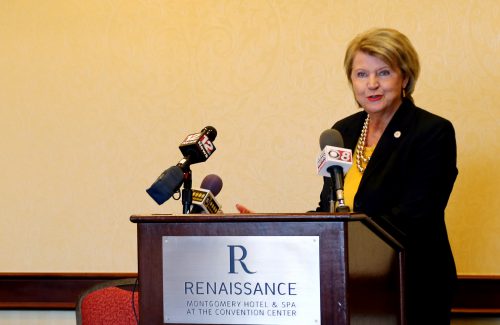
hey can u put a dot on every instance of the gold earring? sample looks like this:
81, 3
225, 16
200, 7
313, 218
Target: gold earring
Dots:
404, 93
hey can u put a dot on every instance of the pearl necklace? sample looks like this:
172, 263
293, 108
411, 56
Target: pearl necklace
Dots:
361, 159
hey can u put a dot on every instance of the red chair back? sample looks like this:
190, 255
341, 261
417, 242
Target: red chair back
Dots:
112, 302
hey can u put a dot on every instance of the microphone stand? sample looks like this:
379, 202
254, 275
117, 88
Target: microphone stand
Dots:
187, 192
332, 199
337, 189
341, 207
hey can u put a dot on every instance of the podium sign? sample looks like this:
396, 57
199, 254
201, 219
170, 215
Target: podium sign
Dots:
241, 280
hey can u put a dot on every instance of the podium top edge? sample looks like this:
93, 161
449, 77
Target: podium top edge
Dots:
244, 217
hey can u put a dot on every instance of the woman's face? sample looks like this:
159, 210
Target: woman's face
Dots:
377, 87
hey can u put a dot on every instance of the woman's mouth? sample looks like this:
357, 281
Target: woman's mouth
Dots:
374, 98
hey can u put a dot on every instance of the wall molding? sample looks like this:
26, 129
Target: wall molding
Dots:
477, 295
51, 291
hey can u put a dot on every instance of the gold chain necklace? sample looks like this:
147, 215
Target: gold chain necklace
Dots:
361, 159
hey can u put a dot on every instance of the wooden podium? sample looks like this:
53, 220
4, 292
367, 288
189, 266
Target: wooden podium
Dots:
361, 277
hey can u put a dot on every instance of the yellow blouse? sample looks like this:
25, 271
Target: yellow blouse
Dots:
352, 180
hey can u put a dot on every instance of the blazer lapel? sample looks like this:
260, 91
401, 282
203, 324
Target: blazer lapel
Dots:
390, 140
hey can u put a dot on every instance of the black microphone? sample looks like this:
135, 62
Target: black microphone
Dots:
197, 147
204, 199
334, 161
166, 184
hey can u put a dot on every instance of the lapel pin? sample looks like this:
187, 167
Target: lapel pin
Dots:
397, 134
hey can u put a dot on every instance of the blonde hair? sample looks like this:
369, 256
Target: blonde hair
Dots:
390, 46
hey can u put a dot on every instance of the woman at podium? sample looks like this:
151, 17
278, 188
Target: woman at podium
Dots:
404, 167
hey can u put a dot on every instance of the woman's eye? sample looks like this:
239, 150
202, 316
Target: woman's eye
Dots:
361, 74
384, 73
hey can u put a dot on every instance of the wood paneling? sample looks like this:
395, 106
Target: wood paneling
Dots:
476, 294
56, 291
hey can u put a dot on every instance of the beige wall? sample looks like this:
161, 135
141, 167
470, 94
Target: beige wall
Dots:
95, 97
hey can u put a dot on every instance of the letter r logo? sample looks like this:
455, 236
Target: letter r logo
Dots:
233, 259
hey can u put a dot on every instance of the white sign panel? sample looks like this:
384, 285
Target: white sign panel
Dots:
241, 280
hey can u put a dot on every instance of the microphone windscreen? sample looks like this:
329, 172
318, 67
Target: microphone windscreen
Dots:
210, 131
213, 183
331, 137
166, 184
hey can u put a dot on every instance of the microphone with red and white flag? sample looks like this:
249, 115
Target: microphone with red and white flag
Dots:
195, 148
334, 161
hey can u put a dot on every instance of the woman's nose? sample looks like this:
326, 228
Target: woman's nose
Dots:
372, 82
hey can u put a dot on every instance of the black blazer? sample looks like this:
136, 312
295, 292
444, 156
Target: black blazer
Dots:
406, 187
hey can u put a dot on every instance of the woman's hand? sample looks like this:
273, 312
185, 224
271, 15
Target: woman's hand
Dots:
243, 209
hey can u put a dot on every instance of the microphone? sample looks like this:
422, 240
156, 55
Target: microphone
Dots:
204, 199
197, 147
166, 184
213, 183
334, 161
